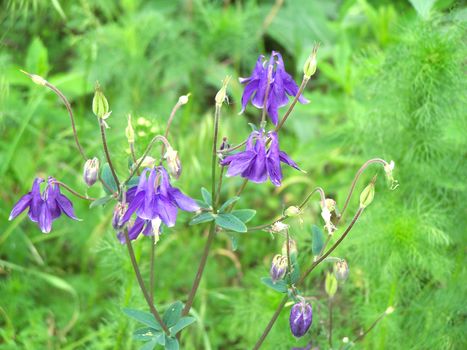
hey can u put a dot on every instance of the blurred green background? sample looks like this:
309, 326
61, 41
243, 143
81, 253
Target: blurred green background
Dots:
390, 83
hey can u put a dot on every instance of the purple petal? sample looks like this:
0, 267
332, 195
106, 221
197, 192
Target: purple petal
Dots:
239, 162
52, 192
66, 206
273, 163
272, 111
130, 194
257, 172
258, 99
133, 206
45, 218
250, 88
164, 186
20, 206
136, 229
287, 160
36, 200
167, 211
183, 201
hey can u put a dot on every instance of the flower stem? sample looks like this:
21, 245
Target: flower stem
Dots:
294, 102
72, 191
169, 123
303, 277
330, 323
141, 284
373, 325
212, 230
107, 154
151, 276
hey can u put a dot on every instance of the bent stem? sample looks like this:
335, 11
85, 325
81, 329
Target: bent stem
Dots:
212, 230
107, 154
72, 191
141, 284
373, 325
303, 277
292, 105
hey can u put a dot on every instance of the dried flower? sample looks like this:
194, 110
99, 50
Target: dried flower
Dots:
328, 225
182, 100
91, 171
256, 163
278, 227
281, 84
278, 267
221, 95
341, 270
173, 162
367, 195
301, 317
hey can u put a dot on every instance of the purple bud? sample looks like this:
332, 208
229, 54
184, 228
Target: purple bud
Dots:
301, 317
119, 211
91, 171
278, 267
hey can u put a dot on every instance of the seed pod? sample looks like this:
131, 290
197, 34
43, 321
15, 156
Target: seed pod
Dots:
278, 267
367, 195
301, 317
91, 171
341, 270
100, 106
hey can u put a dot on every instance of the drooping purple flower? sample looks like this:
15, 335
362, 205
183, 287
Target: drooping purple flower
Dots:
44, 207
256, 162
281, 84
155, 198
301, 317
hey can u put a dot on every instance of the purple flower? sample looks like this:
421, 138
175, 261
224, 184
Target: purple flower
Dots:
44, 207
256, 163
147, 227
301, 316
278, 267
155, 198
281, 84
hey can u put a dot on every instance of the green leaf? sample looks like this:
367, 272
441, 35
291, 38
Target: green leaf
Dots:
423, 7
143, 317
203, 217
206, 196
227, 203
234, 240
108, 179
295, 274
279, 286
230, 222
146, 333
100, 201
317, 241
173, 314
149, 345
133, 181
171, 343
181, 323
330, 285
244, 215
202, 204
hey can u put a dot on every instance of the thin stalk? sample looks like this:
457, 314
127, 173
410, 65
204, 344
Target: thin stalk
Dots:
212, 230
330, 323
354, 182
292, 105
219, 186
133, 153
242, 187
73, 192
151, 276
141, 284
107, 154
169, 123
233, 148
304, 276
373, 325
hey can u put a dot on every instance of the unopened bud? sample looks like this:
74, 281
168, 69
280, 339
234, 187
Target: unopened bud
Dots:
119, 212
389, 310
341, 270
221, 96
310, 64
100, 106
292, 248
37, 79
183, 100
301, 318
173, 162
129, 131
278, 267
91, 171
292, 211
330, 285
148, 162
367, 195
278, 227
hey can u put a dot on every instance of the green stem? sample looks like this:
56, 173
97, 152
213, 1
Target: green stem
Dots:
330, 323
373, 325
72, 191
294, 102
107, 154
151, 276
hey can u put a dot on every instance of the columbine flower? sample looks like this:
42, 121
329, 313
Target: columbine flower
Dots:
256, 163
155, 198
173, 162
278, 267
91, 171
46, 207
281, 84
301, 317
147, 227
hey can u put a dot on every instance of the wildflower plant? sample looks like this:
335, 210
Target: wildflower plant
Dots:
146, 202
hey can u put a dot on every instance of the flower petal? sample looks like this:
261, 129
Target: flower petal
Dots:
287, 160
36, 200
134, 205
136, 229
45, 218
273, 163
20, 206
250, 88
183, 201
167, 211
66, 206
239, 162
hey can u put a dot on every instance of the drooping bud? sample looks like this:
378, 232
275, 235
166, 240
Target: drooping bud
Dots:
292, 211
368, 193
221, 96
278, 267
278, 227
330, 285
100, 106
37, 79
173, 162
129, 131
310, 64
91, 171
292, 248
341, 270
119, 211
183, 100
301, 317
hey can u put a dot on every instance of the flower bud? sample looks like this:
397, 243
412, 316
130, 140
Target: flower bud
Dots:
100, 106
301, 317
119, 211
91, 171
148, 162
330, 285
278, 227
37, 79
330, 204
292, 248
278, 267
183, 100
389, 310
129, 132
292, 211
310, 64
367, 195
221, 96
341, 270
173, 162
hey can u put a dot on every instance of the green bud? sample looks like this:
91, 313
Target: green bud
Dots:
129, 132
330, 285
367, 195
292, 211
310, 64
100, 106
221, 96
